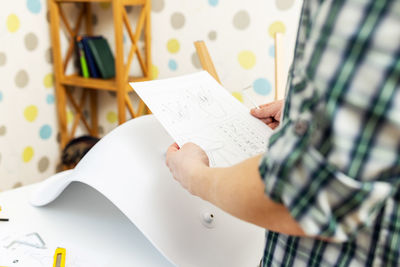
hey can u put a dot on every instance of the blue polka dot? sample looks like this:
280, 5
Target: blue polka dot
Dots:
271, 51
1, 96
262, 86
124, 39
50, 99
34, 6
213, 2
45, 132
172, 65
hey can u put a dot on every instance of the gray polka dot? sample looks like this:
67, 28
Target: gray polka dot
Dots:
3, 59
177, 20
17, 184
100, 129
43, 164
113, 94
157, 5
3, 130
95, 20
59, 167
49, 55
212, 35
284, 4
31, 41
129, 9
86, 114
196, 61
21, 79
241, 20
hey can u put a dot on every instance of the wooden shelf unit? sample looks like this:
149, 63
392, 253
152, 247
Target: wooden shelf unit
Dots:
89, 86
94, 83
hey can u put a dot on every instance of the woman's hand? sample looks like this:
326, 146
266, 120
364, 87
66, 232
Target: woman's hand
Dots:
187, 164
269, 113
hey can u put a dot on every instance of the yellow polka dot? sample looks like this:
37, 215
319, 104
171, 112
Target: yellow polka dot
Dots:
105, 5
112, 117
275, 27
154, 72
48, 80
30, 113
12, 23
238, 96
27, 155
247, 59
70, 116
173, 46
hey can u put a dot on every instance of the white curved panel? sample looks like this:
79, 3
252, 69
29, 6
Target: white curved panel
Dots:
128, 167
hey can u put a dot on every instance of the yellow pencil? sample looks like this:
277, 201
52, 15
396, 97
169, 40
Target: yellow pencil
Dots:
3, 219
59, 257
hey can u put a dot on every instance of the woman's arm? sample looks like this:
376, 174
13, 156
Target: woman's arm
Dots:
239, 190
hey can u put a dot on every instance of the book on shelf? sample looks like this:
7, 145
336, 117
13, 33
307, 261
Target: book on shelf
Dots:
102, 56
95, 57
82, 59
93, 70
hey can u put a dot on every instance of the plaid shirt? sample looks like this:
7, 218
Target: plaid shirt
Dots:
334, 161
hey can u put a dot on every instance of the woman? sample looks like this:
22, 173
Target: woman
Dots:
327, 189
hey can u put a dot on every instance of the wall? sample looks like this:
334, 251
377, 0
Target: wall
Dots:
238, 34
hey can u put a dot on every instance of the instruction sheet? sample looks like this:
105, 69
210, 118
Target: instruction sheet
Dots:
196, 108
30, 250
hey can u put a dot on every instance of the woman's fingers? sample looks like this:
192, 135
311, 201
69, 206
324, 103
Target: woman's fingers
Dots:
170, 151
266, 105
267, 120
262, 113
277, 116
271, 110
273, 125
173, 147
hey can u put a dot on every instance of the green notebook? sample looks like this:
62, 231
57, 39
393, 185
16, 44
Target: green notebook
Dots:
82, 59
103, 57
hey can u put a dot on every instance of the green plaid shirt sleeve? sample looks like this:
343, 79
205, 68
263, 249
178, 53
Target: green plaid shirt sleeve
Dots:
334, 161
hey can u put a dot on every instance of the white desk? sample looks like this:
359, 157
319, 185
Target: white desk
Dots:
84, 219
128, 167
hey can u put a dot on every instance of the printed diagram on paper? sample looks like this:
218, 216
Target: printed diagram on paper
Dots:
195, 108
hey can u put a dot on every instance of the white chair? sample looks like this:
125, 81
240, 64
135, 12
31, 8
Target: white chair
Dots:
128, 167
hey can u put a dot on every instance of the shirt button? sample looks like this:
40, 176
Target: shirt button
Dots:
300, 128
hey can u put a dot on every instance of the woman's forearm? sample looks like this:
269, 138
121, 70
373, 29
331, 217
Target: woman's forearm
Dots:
239, 190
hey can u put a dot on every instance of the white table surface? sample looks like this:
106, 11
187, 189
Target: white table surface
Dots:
83, 219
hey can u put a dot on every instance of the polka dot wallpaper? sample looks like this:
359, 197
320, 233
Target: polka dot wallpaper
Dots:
239, 35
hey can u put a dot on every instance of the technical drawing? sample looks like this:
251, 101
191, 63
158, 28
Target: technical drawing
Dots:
177, 111
197, 109
208, 104
229, 142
